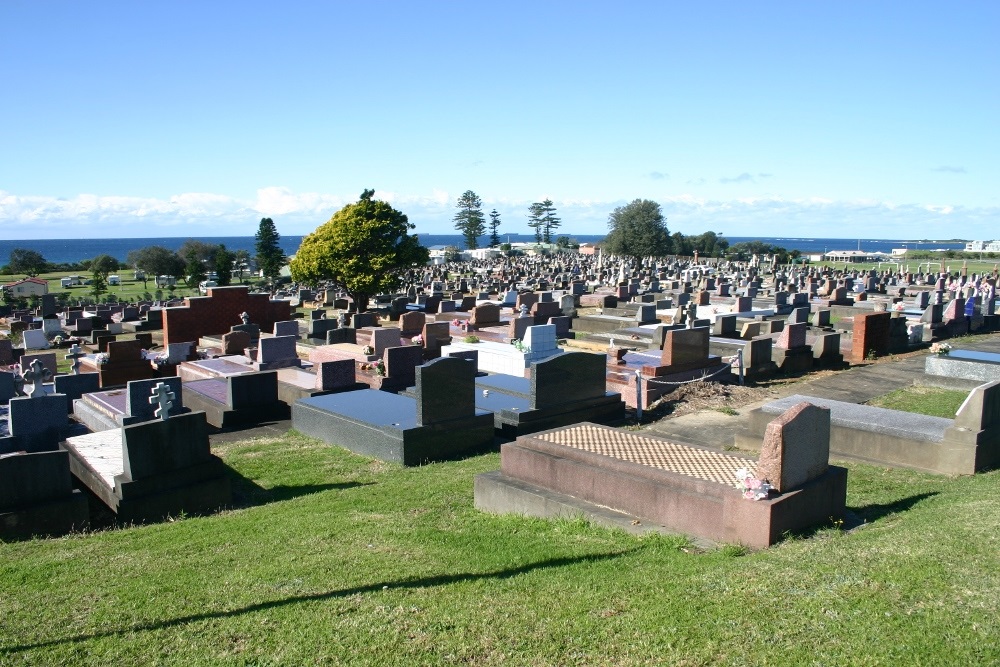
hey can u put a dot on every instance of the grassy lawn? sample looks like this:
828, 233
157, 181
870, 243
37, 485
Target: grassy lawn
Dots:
333, 558
932, 401
128, 290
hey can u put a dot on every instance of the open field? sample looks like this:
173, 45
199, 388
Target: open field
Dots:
332, 558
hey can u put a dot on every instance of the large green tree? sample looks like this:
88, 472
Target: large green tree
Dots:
470, 220
270, 258
194, 269
222, 264
362, 249
638, 230
28, 262
494, 228
156, 261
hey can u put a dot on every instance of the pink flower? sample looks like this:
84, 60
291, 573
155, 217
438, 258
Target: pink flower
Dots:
748, 494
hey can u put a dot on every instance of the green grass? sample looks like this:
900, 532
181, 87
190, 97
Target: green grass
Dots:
932, 401
332, 558
129, 290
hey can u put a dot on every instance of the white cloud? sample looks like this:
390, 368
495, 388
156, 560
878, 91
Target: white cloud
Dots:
208, 214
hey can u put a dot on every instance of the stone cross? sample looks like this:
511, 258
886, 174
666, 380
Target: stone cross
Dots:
523, 311
36, 376
75, 353
164, 397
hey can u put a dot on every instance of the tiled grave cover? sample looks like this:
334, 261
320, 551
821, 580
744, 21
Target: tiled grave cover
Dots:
690, 461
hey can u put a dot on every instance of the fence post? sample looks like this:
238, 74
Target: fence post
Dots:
638, 395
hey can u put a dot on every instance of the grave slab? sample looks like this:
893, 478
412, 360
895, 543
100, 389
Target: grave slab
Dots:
679, 486
439, 421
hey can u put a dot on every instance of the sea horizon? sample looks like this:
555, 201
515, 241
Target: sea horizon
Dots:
71, 251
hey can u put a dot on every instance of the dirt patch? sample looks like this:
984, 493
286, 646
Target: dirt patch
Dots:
697, 396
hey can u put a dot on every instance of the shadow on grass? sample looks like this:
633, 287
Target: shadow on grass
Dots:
874, 512
247, 493
420, 582
859, 516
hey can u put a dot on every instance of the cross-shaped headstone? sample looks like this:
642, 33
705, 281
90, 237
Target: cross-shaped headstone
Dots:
36, 376
75, 353
164, 397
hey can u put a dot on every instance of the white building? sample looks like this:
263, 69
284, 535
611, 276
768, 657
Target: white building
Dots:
982, 246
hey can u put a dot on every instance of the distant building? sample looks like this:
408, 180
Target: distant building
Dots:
28, 287
855, 256
982, 246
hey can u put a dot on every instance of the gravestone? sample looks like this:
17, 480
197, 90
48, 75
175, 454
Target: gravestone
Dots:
38, 421
796, 447
6, 352
287, 328
334, 375
685, 349
35, 339
485, 315
276, 352
792, 336
235, 342
37, 496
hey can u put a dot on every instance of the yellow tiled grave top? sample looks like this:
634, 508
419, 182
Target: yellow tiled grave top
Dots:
702, 464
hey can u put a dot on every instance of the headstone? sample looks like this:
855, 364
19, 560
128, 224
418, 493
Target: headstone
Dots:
286, 328
34, 339
235, 342
792, 336
412, 322
6, 352
75, 353
799, 316
368, 319
484, 315
567, 304
276, 352
445, 390
48, 360
333, 375
685, 348
796, 447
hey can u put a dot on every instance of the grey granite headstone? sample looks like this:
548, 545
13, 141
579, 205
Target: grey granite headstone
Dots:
568, 377
138, 392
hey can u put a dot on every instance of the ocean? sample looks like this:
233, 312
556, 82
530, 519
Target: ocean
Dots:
67, 251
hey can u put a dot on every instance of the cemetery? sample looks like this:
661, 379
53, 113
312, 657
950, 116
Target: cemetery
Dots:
400, 410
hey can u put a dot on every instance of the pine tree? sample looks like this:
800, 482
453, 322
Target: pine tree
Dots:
270, 259
549, 220
536, 215
494, 226
469, 220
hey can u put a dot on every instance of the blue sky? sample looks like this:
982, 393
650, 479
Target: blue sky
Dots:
848, 119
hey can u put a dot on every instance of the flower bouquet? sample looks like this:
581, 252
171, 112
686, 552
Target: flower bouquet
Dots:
751, 487
102, 358
940, 348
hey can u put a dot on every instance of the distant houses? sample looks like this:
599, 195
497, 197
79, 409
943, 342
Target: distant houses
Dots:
27, 287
